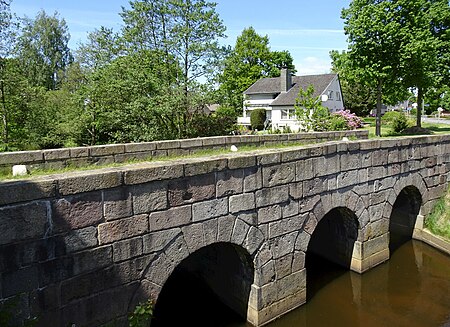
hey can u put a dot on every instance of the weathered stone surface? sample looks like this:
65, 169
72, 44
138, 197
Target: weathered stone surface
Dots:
149, 197
278, 174
144, 173
298, 261
242, 202
252, 179
157, 241
229, 182
21, 191
127, 249
302, 241
194, 237
225, 228
283, 245
283, 266
253, 240
241, 162
239, 232
204, 167
22, 222
121, 229
265, 274
19, 281
20, 157
77, 211
170, 218
105, 150
193, 189
209, 209
285, 226
117, 203
81, 239
271, 196
268, 214
80, 182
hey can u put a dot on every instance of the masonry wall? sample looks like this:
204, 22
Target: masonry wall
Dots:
85, 247
119, 153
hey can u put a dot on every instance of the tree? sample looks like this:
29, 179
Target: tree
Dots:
43, 49
373, 28
249, 60
310, 112
425, 45
358, 93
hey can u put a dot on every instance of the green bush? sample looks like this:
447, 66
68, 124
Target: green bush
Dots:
257, 118
337, 123
142, 315
397, 120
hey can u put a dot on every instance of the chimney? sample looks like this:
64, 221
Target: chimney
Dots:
286, 79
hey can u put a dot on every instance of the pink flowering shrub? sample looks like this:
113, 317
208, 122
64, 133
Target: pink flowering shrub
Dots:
353, 121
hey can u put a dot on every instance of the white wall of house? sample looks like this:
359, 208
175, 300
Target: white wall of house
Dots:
335, 101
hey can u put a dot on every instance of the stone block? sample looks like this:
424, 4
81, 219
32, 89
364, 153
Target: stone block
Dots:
252, 179
209, 209
241, 162
193, 189
239, 233
193, 236
269, 158
350, 161
268, 214
314, 186
291, 284
347, 178
298, 261
225, 228
296, 190
283, 266
287, 225
127, 249
289, 209
278, 174
204, 167
210, 230
191, 143
117, 203
79, 152
253, 240
215, 140
23, 222
283, 245
19, 281
271, 196
164, 145
302, 242
173, 217
21, 191
121, 229
81, 239
140, 147
157, 241
80, 182
149, 197
106, 150
265, 274
148, 172
78, 211
56, 154
21, 157
229, 182
242, 202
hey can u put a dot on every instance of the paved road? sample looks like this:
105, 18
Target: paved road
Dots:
435, 120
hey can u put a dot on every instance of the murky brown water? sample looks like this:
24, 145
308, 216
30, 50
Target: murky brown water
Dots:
411, 289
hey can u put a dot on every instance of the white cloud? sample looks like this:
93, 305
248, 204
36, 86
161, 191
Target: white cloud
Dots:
312, 66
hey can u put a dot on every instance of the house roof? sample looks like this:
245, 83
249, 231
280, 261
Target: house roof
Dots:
273, 86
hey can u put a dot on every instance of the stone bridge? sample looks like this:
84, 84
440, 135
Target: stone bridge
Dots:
84, 248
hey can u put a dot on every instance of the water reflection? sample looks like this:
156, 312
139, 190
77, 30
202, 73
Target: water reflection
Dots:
411, 289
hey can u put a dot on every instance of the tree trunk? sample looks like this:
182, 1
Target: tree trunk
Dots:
419, 107
378, 111
4, 115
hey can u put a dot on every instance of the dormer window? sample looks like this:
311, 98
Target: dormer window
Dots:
330, 95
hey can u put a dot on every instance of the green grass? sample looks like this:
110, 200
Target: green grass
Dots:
386, 130
5, 173
438, 222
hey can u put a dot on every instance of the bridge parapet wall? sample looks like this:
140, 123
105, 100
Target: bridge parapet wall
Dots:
84, 247
119, 153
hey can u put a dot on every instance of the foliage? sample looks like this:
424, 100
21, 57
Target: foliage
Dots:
257, 118
142, 315
397, 120
250, 60
43, 49
310, 113
439, 220
352, 121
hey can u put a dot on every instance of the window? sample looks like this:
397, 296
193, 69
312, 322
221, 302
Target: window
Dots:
338, 96
287, 113
330, 95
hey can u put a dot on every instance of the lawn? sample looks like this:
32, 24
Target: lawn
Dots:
386, 130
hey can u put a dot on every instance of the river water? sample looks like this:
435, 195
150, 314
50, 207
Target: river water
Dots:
411, 289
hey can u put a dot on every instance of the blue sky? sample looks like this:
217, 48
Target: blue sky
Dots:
308, 29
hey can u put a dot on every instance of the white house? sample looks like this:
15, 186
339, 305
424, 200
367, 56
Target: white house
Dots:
277, 95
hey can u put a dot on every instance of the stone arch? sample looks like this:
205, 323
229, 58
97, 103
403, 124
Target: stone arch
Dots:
403, 217
185, 247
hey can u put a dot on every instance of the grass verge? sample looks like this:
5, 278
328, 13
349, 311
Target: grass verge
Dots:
438, 222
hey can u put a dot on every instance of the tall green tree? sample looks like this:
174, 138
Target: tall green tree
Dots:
425, 45
43, 49
249, 60
372, 28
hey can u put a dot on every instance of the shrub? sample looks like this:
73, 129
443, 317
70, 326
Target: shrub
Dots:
353, 121
142, 315
337, 123
257, 118
397, 120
